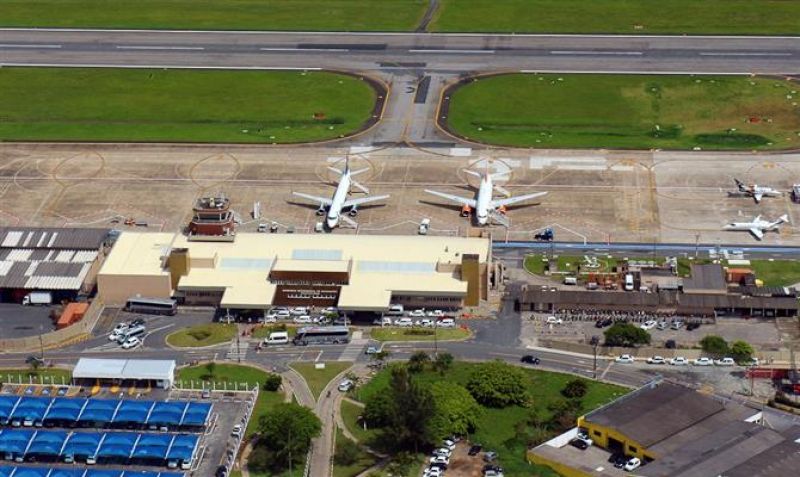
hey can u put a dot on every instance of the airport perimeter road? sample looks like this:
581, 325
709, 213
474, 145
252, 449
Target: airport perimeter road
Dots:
443, 53
518, 250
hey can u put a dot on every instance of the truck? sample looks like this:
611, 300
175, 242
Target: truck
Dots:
38, 298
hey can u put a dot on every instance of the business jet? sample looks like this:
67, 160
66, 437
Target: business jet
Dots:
334, 208
757, 226
756, 191
484, 204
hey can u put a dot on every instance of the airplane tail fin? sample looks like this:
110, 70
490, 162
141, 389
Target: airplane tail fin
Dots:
739, 184
781, 220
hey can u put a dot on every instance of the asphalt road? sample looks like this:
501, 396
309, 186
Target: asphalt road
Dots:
443, 53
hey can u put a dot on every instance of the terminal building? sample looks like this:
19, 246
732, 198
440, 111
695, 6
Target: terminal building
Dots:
355, 273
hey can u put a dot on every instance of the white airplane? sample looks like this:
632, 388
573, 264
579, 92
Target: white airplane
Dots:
484, 204
756, 191
758, 226
333, 208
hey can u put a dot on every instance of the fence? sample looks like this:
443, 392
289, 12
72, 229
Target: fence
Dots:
71, 334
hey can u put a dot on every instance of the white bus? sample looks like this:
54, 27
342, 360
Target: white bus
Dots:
153, 306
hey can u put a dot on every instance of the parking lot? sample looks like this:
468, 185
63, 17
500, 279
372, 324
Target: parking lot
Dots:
19, 321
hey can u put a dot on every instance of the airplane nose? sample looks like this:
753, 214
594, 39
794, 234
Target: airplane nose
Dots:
332, 223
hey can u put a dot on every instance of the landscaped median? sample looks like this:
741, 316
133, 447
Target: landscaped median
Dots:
392, 333
625, 111
318, 378
198, 336
184, 105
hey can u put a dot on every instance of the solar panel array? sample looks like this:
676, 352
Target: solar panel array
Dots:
104, 413
20, 471
105, 447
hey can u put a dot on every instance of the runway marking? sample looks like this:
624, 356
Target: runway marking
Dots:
459, 52
176, 67
300, 50
708, 53
590, 52
7, 45
146, 47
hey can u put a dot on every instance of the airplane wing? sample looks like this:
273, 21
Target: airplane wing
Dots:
364, 200
757, 233
515, 200
453, 198
757, 196
320, 200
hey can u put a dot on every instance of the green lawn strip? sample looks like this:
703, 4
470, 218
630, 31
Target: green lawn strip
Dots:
365, 460
262, 332
235, 373
628, 111
756, 17
324, 15
350, 413
40, 376
317, 379
202, 335
107, 104
390, 333
776, 272
497, 427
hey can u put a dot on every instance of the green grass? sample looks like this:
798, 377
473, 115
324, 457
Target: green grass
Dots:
263, 331
317, 379
85, 104
338, 15
202, 335
777, 272
496, 428
419, 334
47, 375
236, 373
628, 111
536, 263
365, 460
758, 17
350, 413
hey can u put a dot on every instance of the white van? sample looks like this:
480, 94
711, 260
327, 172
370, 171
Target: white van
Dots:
277, 338
395, 310
570, 281
629, 282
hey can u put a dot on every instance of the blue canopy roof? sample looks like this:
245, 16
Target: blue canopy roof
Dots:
118, 444
168, 413
196, 414
48, 443
153, 445
7, 403
19, 471
31, 408
183, 447
82, 443
66, 409
13, 440
99, 410
134, 411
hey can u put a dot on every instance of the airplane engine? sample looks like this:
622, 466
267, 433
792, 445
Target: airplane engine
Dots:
320, 211
466, 211
502, 209
353, 211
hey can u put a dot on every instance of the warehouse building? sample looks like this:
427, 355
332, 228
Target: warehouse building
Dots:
62, 261
257, 271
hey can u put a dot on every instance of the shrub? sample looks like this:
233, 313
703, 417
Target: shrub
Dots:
714, 345
498, 384
626, 334
273, 382
576, 388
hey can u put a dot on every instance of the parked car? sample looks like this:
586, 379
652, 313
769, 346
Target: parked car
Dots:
475, 449
137, 322
676, 325
433, 471
404, 322
418, 313
618, 460
632, 464
492, 468
679, 361
703, 361
662, 325
656, 360
237, 431
579, 443
346, 385
529, 359
299, 311
648, 325
440, 461
120, 328
670, 344
385, 321
552, 320
493, 473
278, 314
131, 342
449, 443
302, 319
372, 350
625, 358
726, 361
436, 314
447, 323
442, 451
269, 319
490, 456
602, 323
585, 437
425, 323
693, 326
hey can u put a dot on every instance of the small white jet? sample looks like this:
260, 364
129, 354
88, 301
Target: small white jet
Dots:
756, 191
334, 207
758, 226
484, 204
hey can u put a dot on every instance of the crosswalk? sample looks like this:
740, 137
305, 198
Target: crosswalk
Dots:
237, 350
354, 348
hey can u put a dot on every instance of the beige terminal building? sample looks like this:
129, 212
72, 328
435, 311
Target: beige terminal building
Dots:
257, 271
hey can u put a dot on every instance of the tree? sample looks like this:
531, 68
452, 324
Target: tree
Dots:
379, 410
273, 382
443, 362
211, 369
413, 408
741, 351
347, 451
714, 345
626, 334
576, 388
498, 384
455, 411
287, 432
418, 361
564, 414
381, 356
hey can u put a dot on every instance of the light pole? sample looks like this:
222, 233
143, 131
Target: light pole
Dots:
594, 342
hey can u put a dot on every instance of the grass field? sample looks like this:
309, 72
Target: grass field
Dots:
777, 272
350, 413
757, 17
364, 461
418, 334
202, 335
263, 331
236, 373
331, 15
317, 379
628, 111
497, 427
85, 104
43, 376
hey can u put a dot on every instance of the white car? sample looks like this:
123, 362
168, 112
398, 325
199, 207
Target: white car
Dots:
404, 322
725, 362
278, 314
302, 319
346, 385
648, 325
442, 451
114, 336
270, 319
436, 314
419, 313
552, 320
449, 443
447, 323
330, 310
433, 472
632, 464
236, 431
625, 358
440, 460
656, 360
679, 361
382, 321
703, 361
131, 342
299, 311
425, 323
585, 438
120, 328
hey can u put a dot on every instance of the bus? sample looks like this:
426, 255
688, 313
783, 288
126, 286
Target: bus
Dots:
313, 335
153, 306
